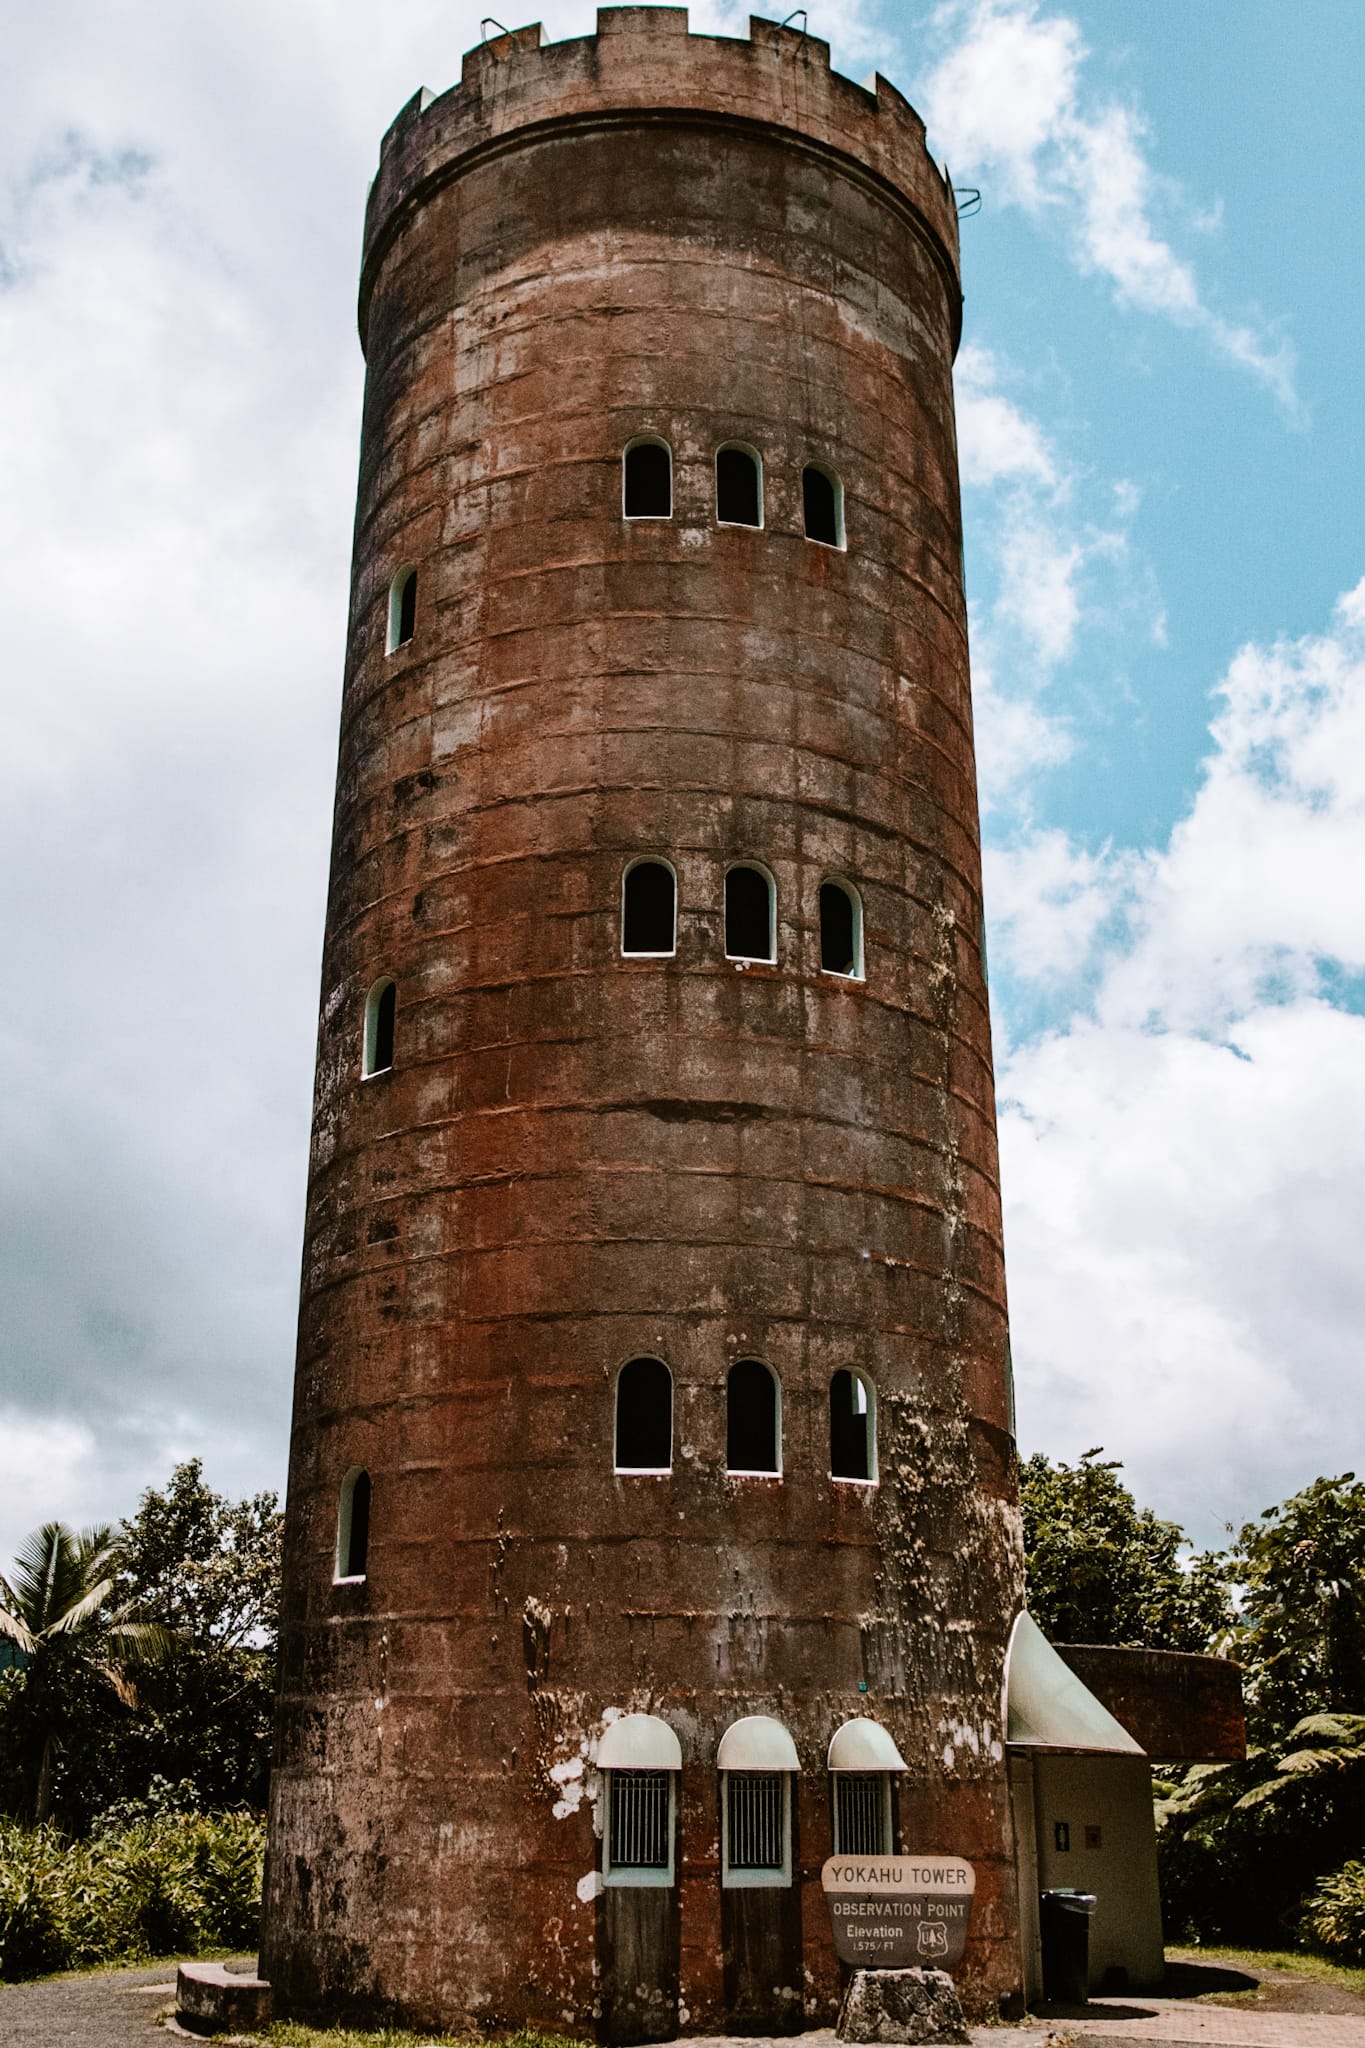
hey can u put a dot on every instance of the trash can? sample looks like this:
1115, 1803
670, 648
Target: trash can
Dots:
1064, 1924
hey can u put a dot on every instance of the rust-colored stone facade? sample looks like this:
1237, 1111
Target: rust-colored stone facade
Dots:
1180, 1708
578, 1158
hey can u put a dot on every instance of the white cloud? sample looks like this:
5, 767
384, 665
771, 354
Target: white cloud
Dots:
997, 442
1009, 103
1184, 1162
1050, 900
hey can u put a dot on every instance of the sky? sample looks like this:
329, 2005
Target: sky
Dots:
1161, 416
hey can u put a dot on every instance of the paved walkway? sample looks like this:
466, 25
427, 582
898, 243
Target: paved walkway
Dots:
119, 2009
1107, 2020
116, 2009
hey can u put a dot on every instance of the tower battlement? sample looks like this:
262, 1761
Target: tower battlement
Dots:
641, 63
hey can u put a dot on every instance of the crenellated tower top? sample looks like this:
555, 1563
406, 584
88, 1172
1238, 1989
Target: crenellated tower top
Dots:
644, 64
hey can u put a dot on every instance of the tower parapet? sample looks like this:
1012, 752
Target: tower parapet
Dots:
644, 65
652, 1421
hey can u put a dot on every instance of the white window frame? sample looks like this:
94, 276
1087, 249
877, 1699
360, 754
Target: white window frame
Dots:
641, 1471
634, 1875
741, 448
768, 959
839, 1847
342, 1554
646, 441
773, 1879
831, 476
368, 1070
857, 973
869, 1387
392, 643
644, 860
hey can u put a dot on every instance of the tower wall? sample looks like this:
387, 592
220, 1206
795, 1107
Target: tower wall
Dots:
580, 1158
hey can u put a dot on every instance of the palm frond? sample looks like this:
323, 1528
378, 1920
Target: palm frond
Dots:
82, 1610
143, 1642
12, 1624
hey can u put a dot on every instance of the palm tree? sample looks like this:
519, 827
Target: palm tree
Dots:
58, 1609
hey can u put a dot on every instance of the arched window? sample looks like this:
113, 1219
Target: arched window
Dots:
756, 1760
649, 896
822, 497
841, 930
644, 1416
647, 480
750, 913
353, 1525
852, 1427
862, 1757
381, 1007
639, 1757
739, 486
402, 609
753, 1418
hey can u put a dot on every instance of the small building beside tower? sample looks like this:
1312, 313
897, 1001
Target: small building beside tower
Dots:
653, 1528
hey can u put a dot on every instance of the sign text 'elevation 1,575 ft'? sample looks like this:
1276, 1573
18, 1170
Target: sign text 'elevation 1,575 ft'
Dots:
892, 1912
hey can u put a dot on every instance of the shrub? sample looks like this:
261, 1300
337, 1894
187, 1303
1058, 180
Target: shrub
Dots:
162, 1884
1334, 1914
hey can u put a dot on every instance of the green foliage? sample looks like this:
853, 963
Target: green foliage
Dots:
1301, 1622
1102, 1570
1334, 1914
170, 1672
163, 1883
208, 1569
1240, 1844
60, 1608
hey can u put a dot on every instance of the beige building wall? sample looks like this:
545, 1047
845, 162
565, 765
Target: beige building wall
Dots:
1095, 1832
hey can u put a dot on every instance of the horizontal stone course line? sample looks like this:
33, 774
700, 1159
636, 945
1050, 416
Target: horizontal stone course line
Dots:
410, 199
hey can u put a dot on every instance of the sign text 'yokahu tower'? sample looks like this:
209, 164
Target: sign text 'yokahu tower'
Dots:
652, 1523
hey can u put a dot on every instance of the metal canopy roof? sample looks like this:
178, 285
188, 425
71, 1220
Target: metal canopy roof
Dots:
1047, 1707
757, 1743
864, 1745
639, 1742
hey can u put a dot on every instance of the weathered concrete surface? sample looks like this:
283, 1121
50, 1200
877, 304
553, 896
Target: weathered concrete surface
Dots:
901, 2005
579, 1158
211, 1999
1181, 1708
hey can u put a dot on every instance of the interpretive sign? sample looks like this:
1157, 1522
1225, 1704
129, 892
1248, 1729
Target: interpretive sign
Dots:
893, 1912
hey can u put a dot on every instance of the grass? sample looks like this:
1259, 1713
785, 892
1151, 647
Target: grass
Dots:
1297, 1962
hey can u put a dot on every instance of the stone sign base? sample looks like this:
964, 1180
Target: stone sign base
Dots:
901, 2005
212, 2000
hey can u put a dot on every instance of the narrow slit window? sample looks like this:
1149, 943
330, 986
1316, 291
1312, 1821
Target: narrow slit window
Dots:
852, 1427
757, 1810
639, 1831
353, 1525
750, 914
841, 931
644, 1416
402, 609
862, 1813
739, 487
753, 1419
381, 1010
647, 480
822, 499
649, 909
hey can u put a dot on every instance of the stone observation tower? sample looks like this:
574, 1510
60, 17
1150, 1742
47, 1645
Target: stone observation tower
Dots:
652, 1525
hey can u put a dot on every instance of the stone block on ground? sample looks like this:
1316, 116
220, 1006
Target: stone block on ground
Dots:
211, 1999
901, 2005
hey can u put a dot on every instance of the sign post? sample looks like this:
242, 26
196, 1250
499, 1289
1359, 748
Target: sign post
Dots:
899, 1912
